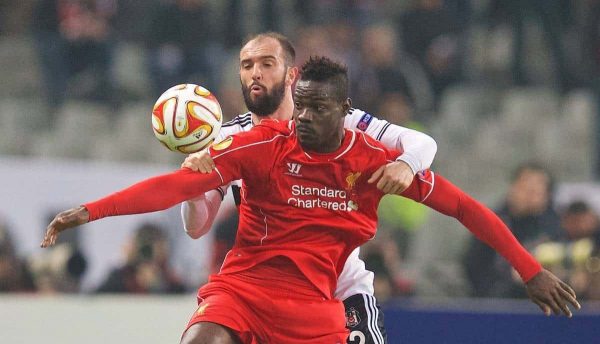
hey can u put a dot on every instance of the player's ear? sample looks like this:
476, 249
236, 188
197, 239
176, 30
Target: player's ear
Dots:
291, 75
346, 105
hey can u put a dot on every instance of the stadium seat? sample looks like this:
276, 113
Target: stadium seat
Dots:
20, 120
76, 129
131, 138
20, 75
130, 69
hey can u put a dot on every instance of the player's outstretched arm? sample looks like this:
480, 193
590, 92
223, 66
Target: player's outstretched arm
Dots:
153, 194
551, 294
544, 289
64, 220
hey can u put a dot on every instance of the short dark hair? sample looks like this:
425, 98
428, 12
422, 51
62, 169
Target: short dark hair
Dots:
529, 166
323, 69
577, 207
286, 45
535, 167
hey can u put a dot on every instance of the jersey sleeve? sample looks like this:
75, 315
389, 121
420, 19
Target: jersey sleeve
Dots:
418, 149
236, 157
154, 194
441, 195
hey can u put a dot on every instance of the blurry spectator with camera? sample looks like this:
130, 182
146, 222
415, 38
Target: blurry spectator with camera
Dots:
146, 269
528, 212
14, 273
576, 258
60, 270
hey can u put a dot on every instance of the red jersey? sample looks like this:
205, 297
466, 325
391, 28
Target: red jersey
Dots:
314, 209
311, 208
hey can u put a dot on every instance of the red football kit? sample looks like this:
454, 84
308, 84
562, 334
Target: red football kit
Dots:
302, 214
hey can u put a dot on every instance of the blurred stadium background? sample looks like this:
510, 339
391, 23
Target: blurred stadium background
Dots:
498, 84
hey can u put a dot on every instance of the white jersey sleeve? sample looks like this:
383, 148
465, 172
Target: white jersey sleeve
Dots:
199, 214
354, 279
418, 149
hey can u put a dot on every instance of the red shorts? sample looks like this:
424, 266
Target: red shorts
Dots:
263, 307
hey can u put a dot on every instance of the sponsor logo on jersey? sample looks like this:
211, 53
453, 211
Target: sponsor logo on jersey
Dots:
352, 206
309, 197
364, 121
202, 308
226, 142
351, 179
352, 317
294, 169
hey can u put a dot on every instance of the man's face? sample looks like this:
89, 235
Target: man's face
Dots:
263, 75
318, 115
580, 225
528, 194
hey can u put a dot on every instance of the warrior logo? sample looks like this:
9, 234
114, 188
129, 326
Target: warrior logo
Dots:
294, 168
352, 317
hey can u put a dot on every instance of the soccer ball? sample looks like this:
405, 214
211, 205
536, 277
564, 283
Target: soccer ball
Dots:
186, 118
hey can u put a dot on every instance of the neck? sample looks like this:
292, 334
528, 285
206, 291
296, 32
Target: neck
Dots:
284, 111
331, 146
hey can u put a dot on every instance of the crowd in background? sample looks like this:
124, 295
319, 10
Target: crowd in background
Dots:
402, 56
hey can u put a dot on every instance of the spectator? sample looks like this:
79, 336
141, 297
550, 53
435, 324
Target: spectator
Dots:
380, 71
384, 71
529, 214
397, 107
14, 273
581, 222
75, 36
577, 257
432, 35
146, 269
591, 52
553, 15
183, 47
59, 270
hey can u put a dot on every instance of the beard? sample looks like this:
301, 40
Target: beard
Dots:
267, 103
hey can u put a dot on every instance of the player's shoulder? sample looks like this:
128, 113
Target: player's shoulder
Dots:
275, 127
239, 123
359, 119
367, 142
267, 131
368, 146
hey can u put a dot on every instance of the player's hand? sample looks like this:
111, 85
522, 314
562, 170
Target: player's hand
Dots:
394, 177
65, 220
551, 294
199, 162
